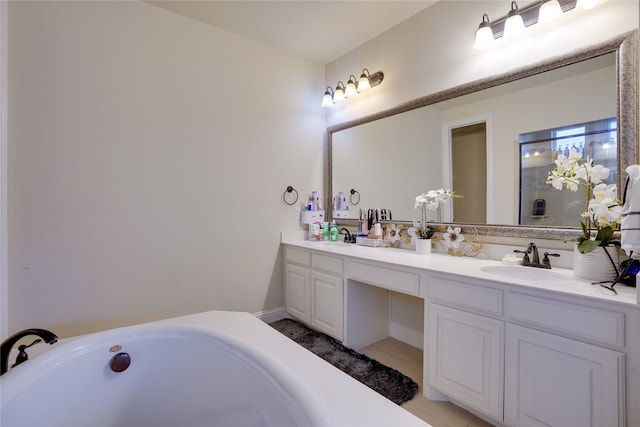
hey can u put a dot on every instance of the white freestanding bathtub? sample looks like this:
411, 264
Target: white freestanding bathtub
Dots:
208, 369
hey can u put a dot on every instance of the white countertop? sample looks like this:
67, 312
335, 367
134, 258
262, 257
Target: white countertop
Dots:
560, 281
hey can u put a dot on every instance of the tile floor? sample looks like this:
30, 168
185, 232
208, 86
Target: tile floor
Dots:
408, 360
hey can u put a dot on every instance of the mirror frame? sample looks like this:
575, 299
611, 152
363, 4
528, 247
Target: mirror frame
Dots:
626, 48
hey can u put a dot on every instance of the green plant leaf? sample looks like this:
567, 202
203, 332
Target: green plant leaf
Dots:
587, 246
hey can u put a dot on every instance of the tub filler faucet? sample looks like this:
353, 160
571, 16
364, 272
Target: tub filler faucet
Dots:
7, 345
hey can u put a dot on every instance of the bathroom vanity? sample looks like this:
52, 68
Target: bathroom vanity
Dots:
517, 345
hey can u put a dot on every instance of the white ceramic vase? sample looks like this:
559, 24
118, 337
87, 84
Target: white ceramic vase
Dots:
596, 265
423, 246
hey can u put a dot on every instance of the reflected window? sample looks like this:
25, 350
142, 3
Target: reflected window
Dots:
540, 203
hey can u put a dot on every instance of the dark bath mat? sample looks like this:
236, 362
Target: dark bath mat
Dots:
387, 381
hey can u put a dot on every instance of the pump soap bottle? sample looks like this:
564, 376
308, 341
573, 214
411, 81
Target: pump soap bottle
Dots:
333, 232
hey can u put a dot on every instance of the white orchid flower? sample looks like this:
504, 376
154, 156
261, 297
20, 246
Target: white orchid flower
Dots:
604, 214
605, 192
598, 173
605, 205
421, 200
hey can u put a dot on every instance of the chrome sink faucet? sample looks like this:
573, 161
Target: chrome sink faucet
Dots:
8, 344
534, 259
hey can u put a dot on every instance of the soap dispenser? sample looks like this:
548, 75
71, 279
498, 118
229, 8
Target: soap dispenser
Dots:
333, 232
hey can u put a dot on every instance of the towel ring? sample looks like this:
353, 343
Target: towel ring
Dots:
354, 195
290, 190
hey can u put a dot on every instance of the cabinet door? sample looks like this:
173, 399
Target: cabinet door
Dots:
298, 292
466, 358
326, 310
556, 381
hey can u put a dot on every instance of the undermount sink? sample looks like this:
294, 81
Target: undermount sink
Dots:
523, 273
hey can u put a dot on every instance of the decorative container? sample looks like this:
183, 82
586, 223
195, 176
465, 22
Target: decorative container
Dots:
367, 241
596, 265
423, 246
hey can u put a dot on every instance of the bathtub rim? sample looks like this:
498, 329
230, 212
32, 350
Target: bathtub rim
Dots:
326, 395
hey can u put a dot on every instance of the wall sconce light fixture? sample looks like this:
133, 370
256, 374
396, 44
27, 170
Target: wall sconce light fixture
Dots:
338, 93
517, 19
350, 89
484, 35
327, 99
514, 24
342, 92
364, 83
549, 10
588, 4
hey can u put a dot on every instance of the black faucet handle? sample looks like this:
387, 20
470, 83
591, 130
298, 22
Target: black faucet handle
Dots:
546, 261
22, 353
525, 258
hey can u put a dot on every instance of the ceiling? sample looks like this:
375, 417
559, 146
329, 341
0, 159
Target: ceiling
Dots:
318, 30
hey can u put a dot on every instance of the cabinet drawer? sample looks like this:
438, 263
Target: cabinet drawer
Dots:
297, 256
400, 281
467, 296
327, 263
583, 322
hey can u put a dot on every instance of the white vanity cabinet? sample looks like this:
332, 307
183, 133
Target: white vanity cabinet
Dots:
314, 289
466, 345
555, 381
516, 351
527, 358
564, 364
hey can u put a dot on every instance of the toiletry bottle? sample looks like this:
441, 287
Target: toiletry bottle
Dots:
333, 232
325, 230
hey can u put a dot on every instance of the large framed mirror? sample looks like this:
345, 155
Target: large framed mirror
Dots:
391, 156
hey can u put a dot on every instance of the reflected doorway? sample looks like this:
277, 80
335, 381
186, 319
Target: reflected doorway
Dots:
469, 172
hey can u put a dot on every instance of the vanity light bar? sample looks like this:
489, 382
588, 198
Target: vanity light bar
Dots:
543, 10
342, 91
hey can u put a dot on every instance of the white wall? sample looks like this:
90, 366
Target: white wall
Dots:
148, 155
4, 305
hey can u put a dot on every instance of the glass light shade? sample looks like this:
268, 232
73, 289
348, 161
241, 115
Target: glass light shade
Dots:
327, 100
587, 4
338, 94
549, 11
350, 89
363, 83
514, 25
484, 37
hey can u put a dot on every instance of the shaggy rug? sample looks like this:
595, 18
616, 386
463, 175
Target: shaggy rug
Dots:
387, 381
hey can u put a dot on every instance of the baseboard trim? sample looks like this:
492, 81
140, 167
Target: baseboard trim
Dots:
406, 335
272, 315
